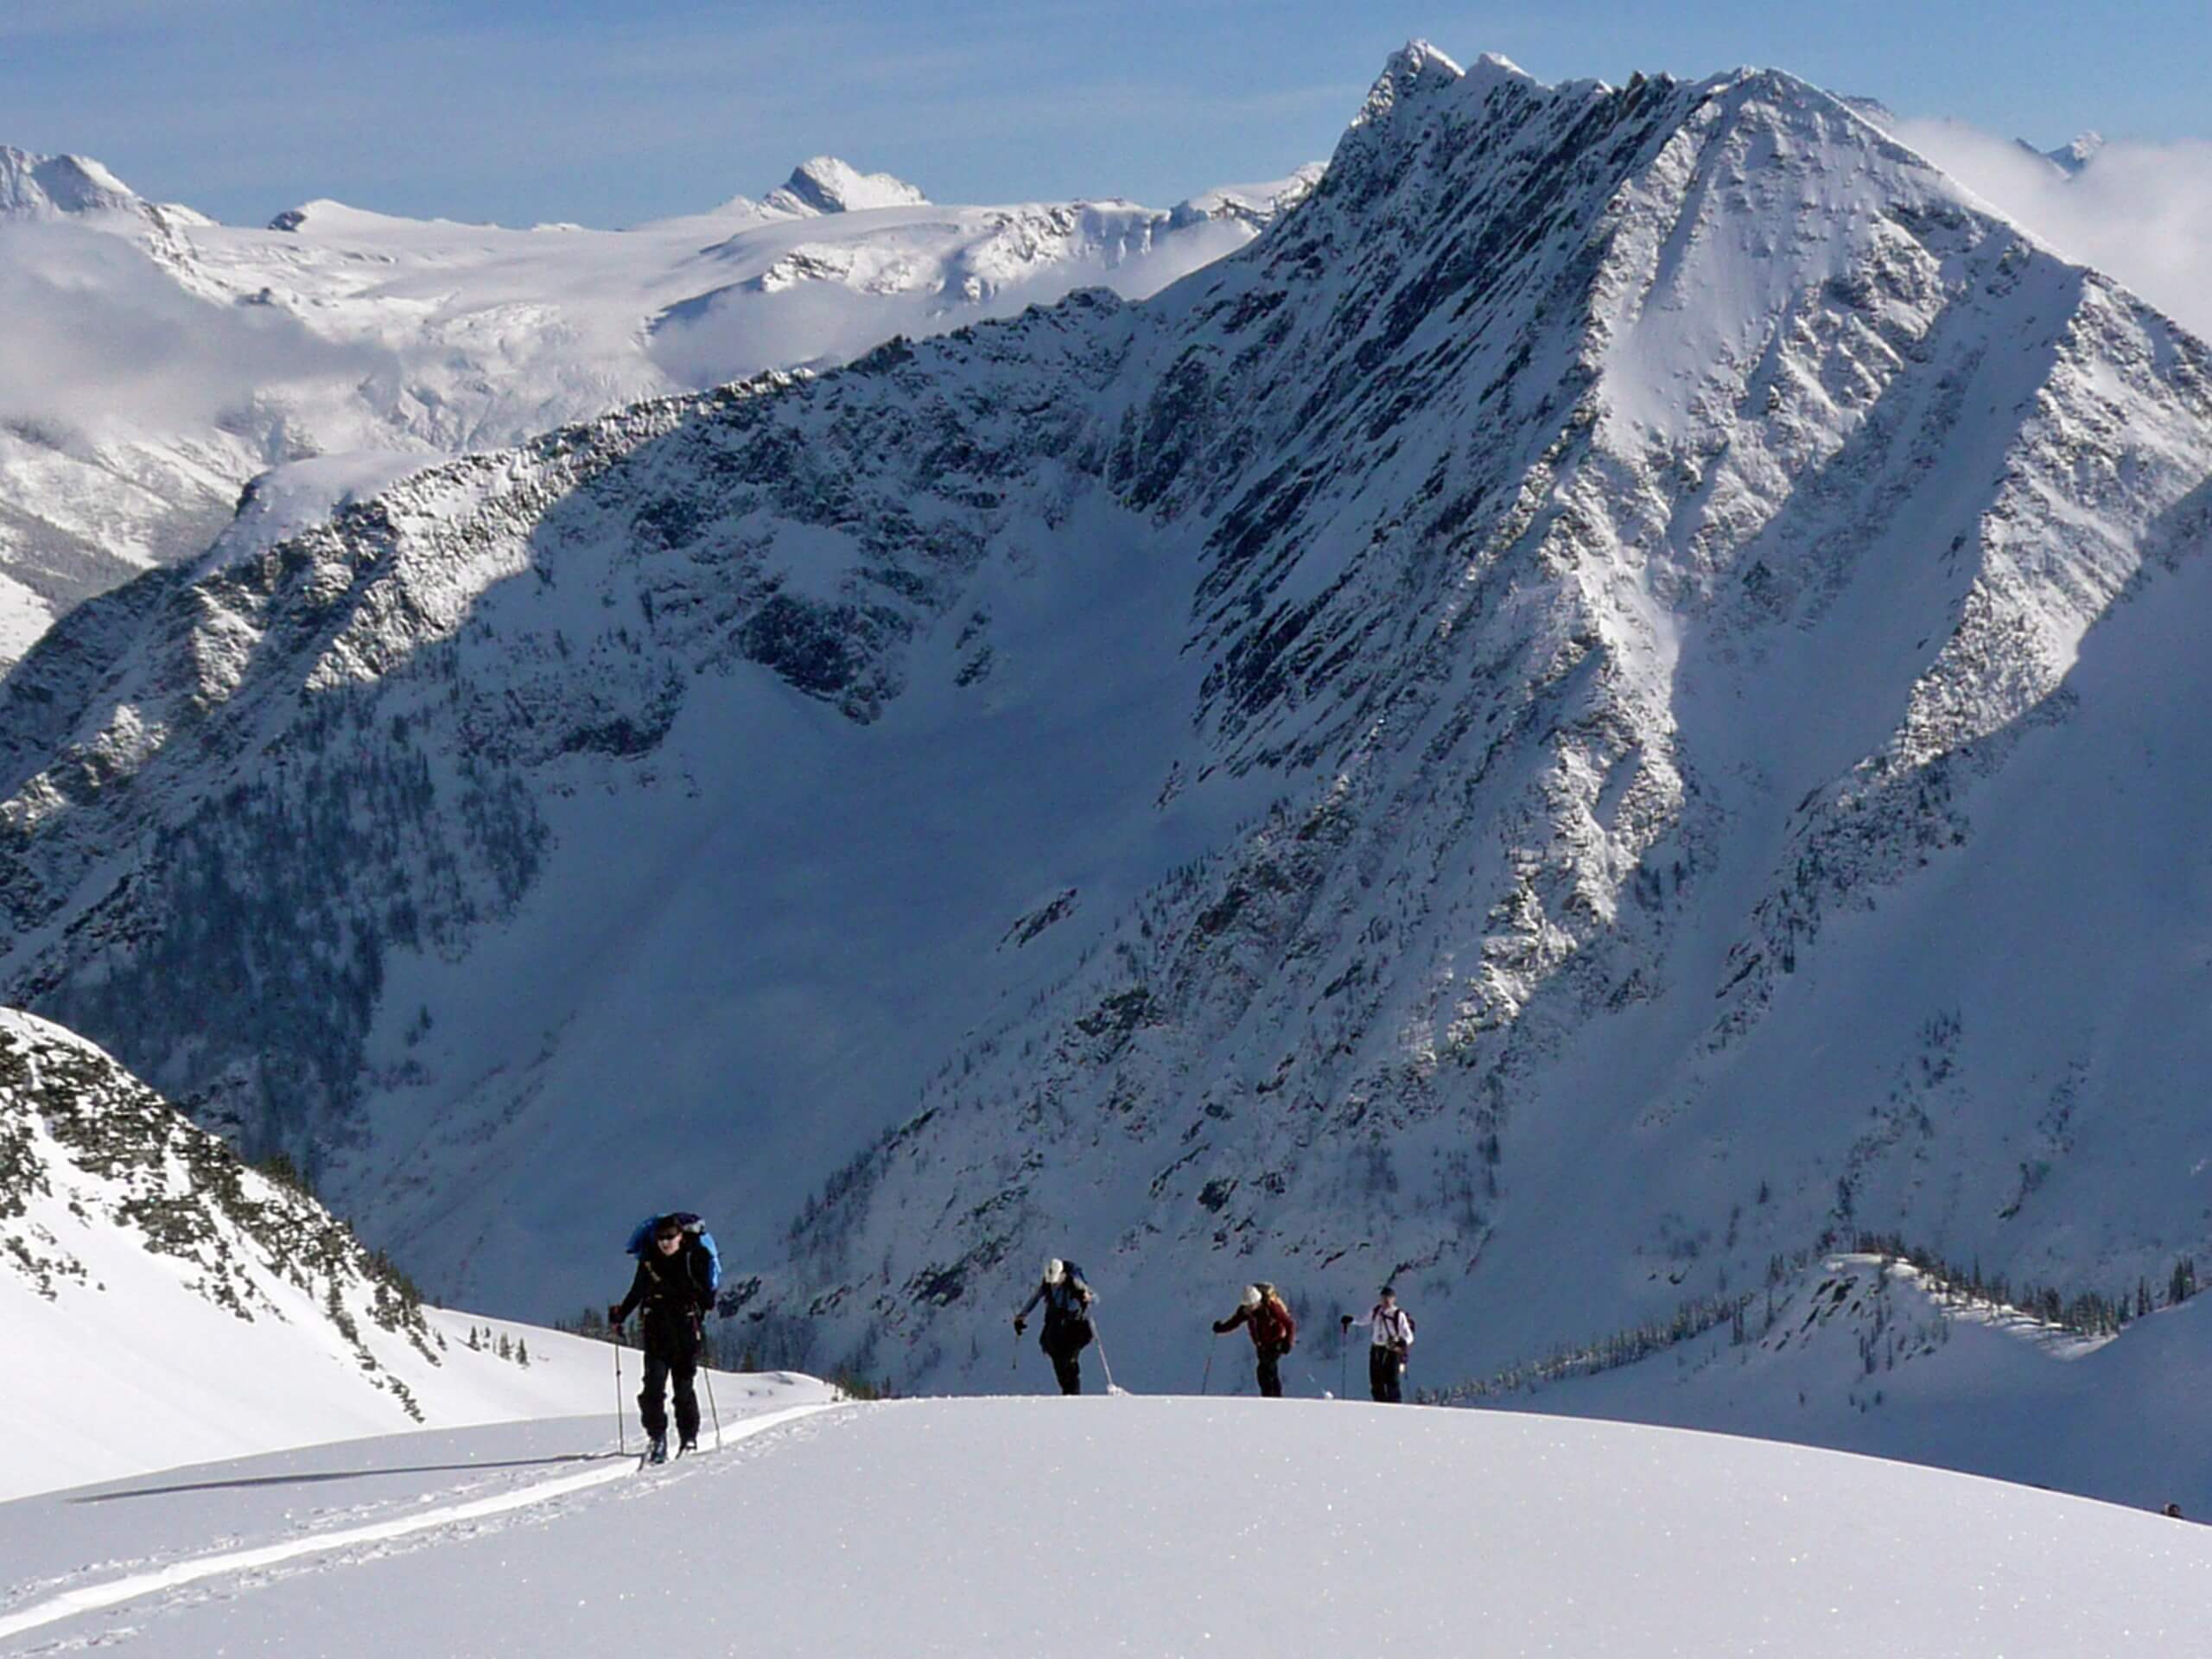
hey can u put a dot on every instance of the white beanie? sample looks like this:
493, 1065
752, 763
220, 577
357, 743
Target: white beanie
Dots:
1055, 1270
1251, 1296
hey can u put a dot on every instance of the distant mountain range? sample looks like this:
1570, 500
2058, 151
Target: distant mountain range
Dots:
160, 360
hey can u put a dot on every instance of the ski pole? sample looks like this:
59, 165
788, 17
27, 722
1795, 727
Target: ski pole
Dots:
1105, 1364
1206, 1375
621, 1433
1343, 1348
714, 1408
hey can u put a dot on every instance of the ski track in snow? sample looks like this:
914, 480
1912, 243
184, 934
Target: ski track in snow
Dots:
1095, 1529
114, 1593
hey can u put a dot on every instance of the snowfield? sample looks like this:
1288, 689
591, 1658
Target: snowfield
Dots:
1096, 1527
155, 361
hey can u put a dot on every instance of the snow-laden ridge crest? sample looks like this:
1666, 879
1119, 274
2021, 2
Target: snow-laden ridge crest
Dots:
826, 185
90, 1157
42, 186
1562, 625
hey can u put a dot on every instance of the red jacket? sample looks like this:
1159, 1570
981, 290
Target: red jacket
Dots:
1270, 1324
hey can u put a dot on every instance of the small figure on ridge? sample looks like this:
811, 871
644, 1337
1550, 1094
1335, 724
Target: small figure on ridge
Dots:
1067, 1330
1275, 1332
1390, 1339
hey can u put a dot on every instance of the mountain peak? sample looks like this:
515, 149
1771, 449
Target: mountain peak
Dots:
42, 187
1414, 70
827, 185
2078, 153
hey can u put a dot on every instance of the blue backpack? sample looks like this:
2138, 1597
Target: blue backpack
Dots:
641, 1241
1061, 1299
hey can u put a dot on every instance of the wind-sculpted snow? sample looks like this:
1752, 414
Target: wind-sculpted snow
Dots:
1575, 717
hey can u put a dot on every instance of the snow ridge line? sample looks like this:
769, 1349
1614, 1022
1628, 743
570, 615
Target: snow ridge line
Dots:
92, 1597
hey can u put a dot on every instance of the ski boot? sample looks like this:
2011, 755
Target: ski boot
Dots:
657, 1452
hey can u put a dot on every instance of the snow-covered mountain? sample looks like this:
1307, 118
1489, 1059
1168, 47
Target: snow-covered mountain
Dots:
2071, 157
1612, 696
1869, 1355
156, 361
161, 1303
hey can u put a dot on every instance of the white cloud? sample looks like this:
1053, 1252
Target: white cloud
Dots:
95, 335
2141, 212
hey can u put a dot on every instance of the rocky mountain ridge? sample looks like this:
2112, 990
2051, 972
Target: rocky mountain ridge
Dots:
92, 1163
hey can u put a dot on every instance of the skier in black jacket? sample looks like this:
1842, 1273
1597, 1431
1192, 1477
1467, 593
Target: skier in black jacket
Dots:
674, 1286
1067, 1321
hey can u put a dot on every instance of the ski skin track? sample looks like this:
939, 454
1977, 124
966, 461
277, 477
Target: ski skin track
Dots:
94, 1598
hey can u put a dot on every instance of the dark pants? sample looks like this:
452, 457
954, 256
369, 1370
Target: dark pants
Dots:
1385, 1377
1068, 1368
1062, 1344
1270, 1379
671, 1354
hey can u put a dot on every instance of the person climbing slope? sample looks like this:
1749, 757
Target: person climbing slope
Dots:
1067, 1330
678, 1270
1390, 1340
1275, 1332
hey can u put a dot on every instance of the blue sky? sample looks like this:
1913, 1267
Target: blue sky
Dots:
610, 115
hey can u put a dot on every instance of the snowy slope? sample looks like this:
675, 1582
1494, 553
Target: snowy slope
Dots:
156, 360
1096, 1527
1613, 694
161, 1304
1853, 1356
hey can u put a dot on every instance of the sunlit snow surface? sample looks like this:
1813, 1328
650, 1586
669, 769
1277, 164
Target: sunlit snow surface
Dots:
1099, 1526
155, 360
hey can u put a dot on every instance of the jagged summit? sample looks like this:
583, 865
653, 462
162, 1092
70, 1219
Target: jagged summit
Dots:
2084, 148
826, 185
2070, 157
1414, 69
45, 187
76, 187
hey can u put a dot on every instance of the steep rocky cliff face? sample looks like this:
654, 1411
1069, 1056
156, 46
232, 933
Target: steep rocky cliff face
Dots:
1608, 697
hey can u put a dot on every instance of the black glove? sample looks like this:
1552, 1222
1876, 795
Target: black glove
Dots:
1020, 1324
1222, 1327
1344, 1323
615, 1314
